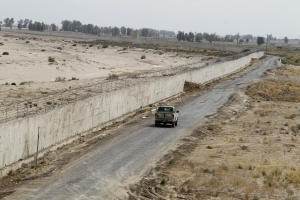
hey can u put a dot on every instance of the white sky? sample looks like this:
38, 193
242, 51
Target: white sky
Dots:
257, 17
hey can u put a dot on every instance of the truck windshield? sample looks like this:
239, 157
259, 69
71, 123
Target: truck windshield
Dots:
165, 109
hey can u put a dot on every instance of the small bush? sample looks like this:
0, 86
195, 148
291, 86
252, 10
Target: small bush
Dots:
60, 78
91, 45
163, 181
1, 43
240, 166
104, 46
5, 53
225, 168
160, 53
290, 192
143, 57
171, 162
27, 42
13, 84
59, 48
10, 173
112, 76
209, 147
74, 45
51, 59
25, 82
210, 128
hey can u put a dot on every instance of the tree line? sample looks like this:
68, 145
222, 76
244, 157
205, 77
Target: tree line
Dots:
77, 26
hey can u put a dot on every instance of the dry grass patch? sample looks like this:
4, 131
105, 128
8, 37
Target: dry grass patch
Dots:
275, 90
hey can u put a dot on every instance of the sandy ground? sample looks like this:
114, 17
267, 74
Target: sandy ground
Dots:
28, 63
248, 150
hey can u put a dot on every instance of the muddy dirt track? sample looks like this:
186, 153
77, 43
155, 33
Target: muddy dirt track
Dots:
105, 172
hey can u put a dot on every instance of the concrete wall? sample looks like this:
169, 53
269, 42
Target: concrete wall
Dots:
231, 48
18, 138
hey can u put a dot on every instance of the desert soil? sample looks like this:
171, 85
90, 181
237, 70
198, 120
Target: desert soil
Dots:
27, 63
248, 150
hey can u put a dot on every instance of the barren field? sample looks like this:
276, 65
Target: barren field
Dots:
28, 66
248, 150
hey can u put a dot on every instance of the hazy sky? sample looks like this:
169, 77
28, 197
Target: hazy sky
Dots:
257, 17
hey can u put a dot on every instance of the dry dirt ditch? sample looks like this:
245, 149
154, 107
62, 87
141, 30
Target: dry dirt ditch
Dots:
248, 150
55, 161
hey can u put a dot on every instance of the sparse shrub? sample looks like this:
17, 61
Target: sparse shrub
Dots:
10, 172
225, 168
160, 53
245, 50
5, 53
240, 166
250, 167
59, 48
91, 45
13, 84
244, 147
25, 82
27, 42
51, 59
255, 198
112, 76
74, 45
290, 192
209, 147
43, 50
18, 178
104, 46
171, 162
1, 43
163, 181
73, 78
264, 173
60, 78
210, 128
143, 57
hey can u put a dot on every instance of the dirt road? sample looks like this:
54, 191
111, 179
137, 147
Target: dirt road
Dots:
106, 171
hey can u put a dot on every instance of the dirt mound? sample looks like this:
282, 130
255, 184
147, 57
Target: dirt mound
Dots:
192, 87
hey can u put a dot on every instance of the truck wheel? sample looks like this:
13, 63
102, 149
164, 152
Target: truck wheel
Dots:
156, 124
173, 124
176, 123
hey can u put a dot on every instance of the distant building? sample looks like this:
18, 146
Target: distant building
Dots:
134, 35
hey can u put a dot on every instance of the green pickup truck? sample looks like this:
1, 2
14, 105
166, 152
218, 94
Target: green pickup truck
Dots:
166, 115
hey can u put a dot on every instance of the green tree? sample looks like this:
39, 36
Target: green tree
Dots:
115, 31
123, 30
20, 24
54, 28
260, 40
247, 40
192, 36
6, 22
11, 22
25, 24
286, 40
128, 31
144, 32
198, 37
66, 25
